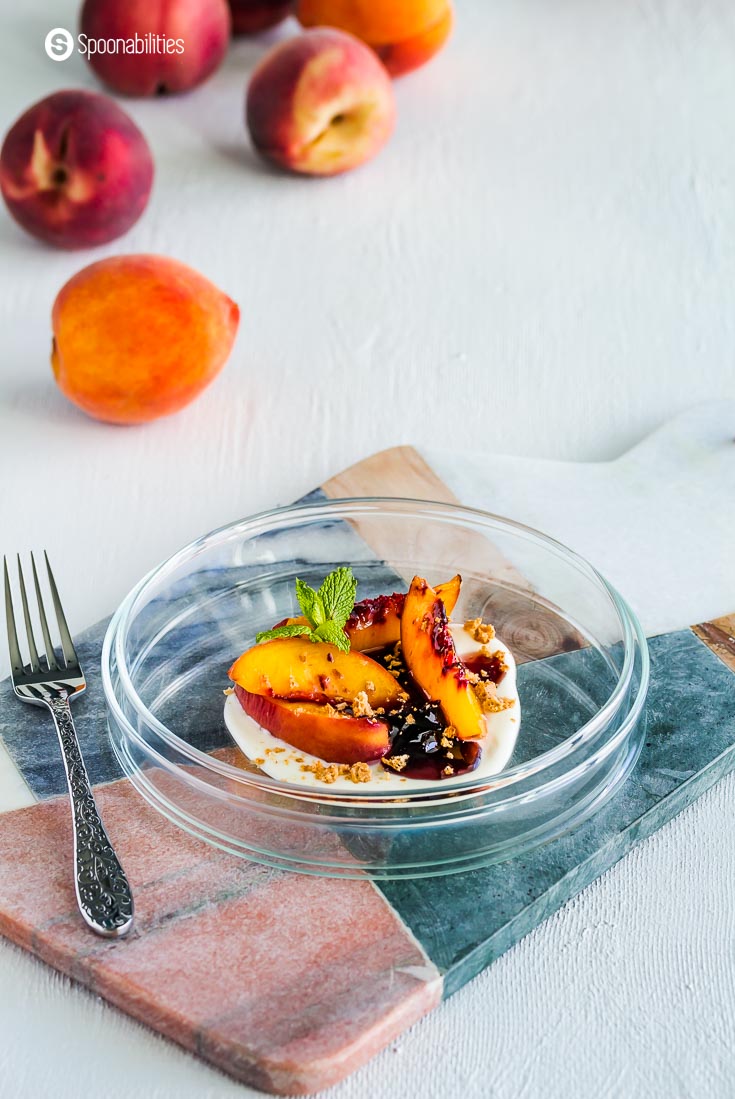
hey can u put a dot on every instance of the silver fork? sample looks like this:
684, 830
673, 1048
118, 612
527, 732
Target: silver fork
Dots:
103, 892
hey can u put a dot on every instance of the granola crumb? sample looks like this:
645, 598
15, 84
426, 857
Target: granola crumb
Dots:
410, 719
487, 695
330, 709
448, 771
259, 762
330, 772
396, 763
229, 691
279, 749
361, 706
323, 772
479, 631
447, 740
358, 772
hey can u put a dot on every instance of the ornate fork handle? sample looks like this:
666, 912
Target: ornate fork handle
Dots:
103, 892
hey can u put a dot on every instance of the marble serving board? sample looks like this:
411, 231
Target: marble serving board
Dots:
261, 972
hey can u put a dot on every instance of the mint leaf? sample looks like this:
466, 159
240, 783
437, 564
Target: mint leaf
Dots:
326, 611
297, 629
310, 603
333, 634
337, 595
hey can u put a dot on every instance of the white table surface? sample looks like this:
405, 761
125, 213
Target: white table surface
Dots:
542, 262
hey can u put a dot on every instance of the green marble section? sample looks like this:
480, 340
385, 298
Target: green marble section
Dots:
465, 921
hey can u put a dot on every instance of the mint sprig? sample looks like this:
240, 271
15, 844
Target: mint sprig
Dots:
326, 611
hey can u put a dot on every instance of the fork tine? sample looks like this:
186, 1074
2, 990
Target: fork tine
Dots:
70, 653
35, 663
50, 654
16, 660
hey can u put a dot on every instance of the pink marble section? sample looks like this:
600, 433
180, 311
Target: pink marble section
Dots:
285, 982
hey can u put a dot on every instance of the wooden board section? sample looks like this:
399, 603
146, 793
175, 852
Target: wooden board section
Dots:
719, 635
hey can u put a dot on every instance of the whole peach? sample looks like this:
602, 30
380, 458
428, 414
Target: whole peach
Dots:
404, 33
138, 337
252, 16
75, 170
320, 103
190, 39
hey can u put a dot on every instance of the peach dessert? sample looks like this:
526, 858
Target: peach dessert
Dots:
381, 691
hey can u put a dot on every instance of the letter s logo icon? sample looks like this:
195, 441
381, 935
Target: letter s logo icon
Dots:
59, 43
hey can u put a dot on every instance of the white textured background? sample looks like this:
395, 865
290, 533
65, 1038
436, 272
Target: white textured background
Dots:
542, 262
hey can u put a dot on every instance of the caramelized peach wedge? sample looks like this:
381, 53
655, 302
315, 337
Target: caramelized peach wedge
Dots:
383, 690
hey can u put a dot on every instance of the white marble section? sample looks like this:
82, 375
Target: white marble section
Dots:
658, 522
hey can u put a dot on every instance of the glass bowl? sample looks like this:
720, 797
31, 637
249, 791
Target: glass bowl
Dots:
582, 678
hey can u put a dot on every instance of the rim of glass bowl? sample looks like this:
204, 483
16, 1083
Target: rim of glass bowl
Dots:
633, 640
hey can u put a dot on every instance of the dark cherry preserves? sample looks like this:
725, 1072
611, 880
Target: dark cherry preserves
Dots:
420, 748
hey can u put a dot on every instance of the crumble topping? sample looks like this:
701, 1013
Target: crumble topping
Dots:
499, 656
330, 772
396, 763
479, 631
229, 691
447, 740
486, 694
361, 706
394, 660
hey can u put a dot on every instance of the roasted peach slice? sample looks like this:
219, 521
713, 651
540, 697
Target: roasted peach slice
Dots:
431, 658
319, 730
297, 669
375, 623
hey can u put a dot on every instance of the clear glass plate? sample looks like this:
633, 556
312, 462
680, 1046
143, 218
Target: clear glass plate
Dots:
582, 678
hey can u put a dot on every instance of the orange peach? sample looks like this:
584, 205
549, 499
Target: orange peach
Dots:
411, 53
320, 103
191, 38
253, 16
297, 669
404, 33
138, 337
320, 730
431, 658
75, 170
